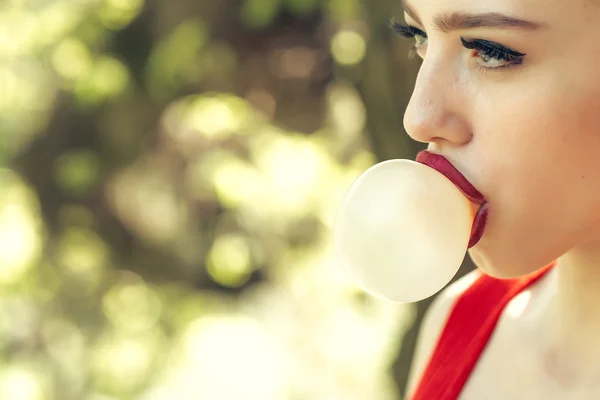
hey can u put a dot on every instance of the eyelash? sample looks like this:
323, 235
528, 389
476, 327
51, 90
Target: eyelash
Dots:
485, 48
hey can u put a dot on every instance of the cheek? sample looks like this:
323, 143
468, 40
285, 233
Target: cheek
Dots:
549, 134
541, 169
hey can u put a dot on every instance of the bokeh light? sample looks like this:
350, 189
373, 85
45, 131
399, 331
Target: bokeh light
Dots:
348, 47
229, 261
21, 235
22, 382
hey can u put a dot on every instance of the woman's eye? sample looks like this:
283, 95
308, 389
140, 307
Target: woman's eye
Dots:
493, 55
420, 40
411, 32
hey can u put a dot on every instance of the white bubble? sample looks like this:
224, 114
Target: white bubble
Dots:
402, 231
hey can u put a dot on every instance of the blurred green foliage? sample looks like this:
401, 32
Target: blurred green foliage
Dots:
169, 172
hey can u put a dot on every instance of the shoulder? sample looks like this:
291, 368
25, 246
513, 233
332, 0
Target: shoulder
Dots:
433, 323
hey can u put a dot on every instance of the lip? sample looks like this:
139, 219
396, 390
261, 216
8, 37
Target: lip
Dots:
445, 167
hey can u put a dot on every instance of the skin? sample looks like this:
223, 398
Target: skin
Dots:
528, 138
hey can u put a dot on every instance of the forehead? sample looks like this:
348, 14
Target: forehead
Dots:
536, 10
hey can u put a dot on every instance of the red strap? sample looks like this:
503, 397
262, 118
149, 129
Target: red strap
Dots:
466, 334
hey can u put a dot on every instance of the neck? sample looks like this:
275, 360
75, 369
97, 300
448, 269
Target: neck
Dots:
572, 316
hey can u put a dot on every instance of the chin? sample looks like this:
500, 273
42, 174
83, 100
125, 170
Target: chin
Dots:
501, 263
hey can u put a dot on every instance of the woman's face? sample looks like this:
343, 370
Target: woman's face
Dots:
515, 106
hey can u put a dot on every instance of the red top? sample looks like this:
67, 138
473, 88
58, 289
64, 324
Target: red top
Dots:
466, 334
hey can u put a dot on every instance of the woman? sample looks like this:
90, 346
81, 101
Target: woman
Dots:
509, 92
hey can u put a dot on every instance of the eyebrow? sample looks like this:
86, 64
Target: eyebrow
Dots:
458, 21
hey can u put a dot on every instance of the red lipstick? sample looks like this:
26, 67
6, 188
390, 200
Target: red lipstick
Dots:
445, 167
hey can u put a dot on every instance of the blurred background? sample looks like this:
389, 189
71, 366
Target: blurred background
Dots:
169, 174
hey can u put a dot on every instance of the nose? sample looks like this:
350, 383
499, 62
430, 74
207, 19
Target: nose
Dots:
436, 111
